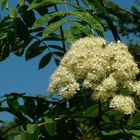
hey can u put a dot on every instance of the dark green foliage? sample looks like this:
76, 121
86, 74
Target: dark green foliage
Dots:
34, 50
45, 60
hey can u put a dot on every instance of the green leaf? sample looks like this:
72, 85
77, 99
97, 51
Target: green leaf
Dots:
16, 44
114, 135
20, 137
98, 6
92, 111
135, 132
21, 29
12, 102
35, 5
12, 13
60, 54
69, 34
73, 33
29, 104
45, 60
46, 18
3, 3
27, 16
50, 126
31, 128
124, 91
135, 138
57, 62
52, 27
19, 50
56, 47
83, 28
136, 120
114, 9
89, 5
4, 50
111, 132
34, 50
32, 136
21, 2
92, 21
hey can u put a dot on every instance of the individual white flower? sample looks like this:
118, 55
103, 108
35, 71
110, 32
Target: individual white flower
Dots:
122, 103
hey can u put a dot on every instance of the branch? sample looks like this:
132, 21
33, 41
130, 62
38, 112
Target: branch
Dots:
111, 25
68, 118
41, 41
62, 33
11, 128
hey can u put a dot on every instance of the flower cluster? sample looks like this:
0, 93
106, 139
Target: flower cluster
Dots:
93, 64
123, 103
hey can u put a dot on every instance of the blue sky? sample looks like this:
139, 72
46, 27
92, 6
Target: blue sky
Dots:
17, 75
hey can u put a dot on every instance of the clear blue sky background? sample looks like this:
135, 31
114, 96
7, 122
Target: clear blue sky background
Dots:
17, 75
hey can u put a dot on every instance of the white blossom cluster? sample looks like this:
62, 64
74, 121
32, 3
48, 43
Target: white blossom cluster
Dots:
123, 103
93, 64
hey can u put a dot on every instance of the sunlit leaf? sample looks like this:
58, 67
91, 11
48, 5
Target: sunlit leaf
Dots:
83, 28
3, 3
35, 5
31, 128
20, 137
12, 13
52, 27
46, 18
88, 4
50, 126
92, 21
21, 2
135, 133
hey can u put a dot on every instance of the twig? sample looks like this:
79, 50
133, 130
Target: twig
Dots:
67, 118
45, 45
43, 123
